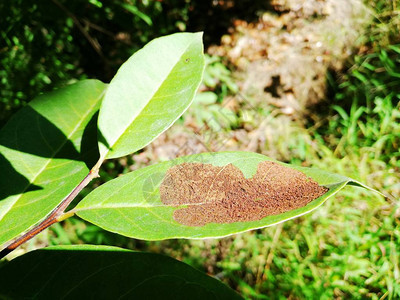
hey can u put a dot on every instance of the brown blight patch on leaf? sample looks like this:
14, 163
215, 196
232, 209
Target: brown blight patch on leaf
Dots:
223, 195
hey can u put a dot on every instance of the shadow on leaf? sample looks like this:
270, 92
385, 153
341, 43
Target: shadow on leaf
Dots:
89, 152
11, 182
30, 132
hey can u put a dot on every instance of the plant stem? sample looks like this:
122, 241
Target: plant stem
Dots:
56, 213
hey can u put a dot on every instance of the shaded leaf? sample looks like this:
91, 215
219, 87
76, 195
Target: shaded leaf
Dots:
149, 92
43, 150
208, 195
100, 272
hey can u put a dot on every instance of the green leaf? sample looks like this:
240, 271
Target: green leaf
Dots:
136, 12
205, 98
131, 204
99, 272
44, 152
150, 91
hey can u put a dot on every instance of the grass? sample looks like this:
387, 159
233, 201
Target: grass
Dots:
366, 112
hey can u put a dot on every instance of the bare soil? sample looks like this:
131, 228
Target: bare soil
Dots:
283, 58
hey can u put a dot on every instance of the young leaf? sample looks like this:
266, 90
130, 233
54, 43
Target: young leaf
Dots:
100, 272
149, 92
43, 150
208, 195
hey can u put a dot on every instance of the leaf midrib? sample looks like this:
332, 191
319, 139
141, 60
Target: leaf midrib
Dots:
339, 186
150, 99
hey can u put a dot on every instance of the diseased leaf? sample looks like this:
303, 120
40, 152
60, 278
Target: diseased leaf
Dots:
208, 195
44, 152
99, 272
149, 92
